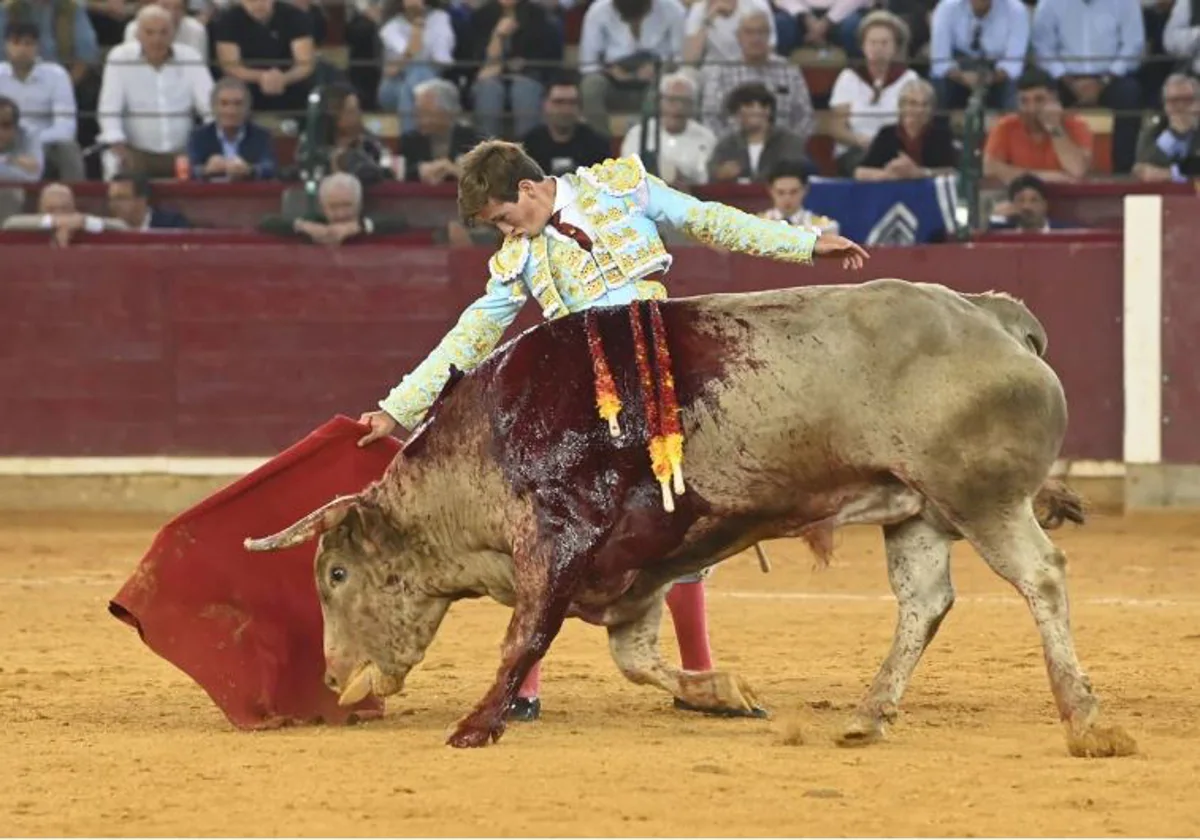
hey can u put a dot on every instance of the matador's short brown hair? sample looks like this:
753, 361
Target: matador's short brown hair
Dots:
492, 170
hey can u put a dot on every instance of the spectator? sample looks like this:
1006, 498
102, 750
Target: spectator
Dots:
793, 105
316, 20
916, 146
365, 51
20, 150
686, 144
108, 18
268, 44
752, 150
188, 30
1181, 36
917, 15
1152, 75
66, 37
57, 214
340, 219
129, 201
1039, 138
978, 43
787, 184
562, 143
824, 23
866, 97
622, 44
151, 90
42, 91
231, 147
711, 27
1026, 209
514, 43
1093, 49
1169, 146
418, 43
432, 150
343, 143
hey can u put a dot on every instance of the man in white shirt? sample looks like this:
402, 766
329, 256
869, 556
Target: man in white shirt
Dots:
686, 144
188, 30
43, 92
711, 30
151, 92
621, 42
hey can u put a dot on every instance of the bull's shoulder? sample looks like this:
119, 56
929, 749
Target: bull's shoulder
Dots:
508, 263
616, 176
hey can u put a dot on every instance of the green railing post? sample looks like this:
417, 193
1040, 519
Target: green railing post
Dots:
650, 110
310, 154
971, 167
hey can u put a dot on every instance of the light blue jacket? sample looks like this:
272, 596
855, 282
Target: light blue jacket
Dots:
623, 206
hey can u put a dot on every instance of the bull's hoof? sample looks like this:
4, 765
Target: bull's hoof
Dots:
525, 709
1100, 742
861, 733
470, 733
753, 712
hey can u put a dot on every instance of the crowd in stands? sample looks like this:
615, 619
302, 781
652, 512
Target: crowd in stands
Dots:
205, 89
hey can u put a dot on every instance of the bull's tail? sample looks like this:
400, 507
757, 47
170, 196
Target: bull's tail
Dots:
1014, 317
1056, 503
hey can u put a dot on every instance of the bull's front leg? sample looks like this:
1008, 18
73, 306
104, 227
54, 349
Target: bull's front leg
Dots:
545, 585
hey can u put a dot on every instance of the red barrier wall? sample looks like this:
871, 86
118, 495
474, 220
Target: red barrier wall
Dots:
1181, 331
188, 347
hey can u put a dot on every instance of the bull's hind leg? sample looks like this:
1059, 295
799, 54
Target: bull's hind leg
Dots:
635, 649
918, 561
1017, 549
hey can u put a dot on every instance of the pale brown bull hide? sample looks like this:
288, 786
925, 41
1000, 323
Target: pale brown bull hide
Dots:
929, 413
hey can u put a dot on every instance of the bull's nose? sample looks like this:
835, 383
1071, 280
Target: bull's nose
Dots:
331, 682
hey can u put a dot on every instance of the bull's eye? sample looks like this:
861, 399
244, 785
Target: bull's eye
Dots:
337, 575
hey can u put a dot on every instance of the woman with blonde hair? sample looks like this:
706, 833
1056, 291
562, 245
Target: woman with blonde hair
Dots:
866, 96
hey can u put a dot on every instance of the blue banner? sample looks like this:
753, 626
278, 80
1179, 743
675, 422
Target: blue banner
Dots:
888, 212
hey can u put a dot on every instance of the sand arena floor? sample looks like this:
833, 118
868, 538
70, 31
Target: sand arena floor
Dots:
101, 737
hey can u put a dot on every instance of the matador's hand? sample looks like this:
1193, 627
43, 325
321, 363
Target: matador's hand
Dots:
380, 423
851, 253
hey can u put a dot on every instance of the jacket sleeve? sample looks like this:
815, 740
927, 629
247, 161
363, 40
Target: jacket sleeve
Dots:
726, 227
469, 341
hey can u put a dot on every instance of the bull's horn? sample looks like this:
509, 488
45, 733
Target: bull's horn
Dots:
360, 684
313, 525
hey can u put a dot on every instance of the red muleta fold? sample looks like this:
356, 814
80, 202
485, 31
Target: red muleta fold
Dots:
247, 626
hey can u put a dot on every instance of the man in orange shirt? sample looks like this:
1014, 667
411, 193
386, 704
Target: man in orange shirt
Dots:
1039, 139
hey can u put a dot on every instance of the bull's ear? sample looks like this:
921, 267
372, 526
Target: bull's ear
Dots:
310, 527
367, 529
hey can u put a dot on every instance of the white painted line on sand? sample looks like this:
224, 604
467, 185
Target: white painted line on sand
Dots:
1101, 601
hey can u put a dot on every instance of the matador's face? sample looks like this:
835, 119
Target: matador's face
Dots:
526, 216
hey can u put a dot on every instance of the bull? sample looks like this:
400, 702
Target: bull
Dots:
904, 405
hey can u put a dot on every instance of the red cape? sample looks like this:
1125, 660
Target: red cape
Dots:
247, 626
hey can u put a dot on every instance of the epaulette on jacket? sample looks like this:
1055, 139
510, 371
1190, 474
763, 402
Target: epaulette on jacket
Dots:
507, 264
616, 176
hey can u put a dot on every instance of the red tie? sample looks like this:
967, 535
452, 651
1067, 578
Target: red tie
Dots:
566, 229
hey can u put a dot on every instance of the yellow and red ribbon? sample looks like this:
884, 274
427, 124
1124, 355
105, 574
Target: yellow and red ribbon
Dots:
672, 431
660, 463
663, 426
607, 400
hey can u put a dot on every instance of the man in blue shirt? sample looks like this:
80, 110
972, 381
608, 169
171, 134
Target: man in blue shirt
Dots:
974, 43
1093, 49
231, 147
